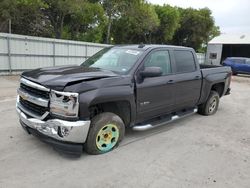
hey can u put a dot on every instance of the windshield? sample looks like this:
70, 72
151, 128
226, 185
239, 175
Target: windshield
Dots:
119, 60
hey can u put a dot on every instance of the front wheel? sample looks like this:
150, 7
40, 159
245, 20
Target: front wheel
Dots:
106, 132
210, 107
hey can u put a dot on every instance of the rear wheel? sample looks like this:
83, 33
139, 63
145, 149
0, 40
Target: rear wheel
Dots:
106, 132
210, 107
235, 73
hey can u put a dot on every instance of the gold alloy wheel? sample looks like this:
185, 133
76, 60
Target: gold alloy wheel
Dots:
107, 137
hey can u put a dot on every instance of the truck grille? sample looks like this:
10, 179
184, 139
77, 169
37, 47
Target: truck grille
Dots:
33, 99
34, 91
38, 110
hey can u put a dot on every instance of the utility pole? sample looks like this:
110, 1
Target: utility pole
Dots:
10, 26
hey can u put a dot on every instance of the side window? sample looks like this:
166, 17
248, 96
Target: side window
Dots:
184, 61
238, 61
159, 59
248, 61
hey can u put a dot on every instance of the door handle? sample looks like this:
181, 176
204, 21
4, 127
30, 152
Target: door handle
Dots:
170, 82
197, 77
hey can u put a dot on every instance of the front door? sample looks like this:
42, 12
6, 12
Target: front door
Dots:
155, 95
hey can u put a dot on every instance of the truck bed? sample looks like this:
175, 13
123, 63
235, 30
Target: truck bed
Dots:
213, 69
206, 66
213, 74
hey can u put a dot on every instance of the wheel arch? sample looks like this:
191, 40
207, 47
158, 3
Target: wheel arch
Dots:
122, 108
219, 88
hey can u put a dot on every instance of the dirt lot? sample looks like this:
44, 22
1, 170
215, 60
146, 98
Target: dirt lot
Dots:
196, 151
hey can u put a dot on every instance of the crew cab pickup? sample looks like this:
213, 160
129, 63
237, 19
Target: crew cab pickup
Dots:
89, 106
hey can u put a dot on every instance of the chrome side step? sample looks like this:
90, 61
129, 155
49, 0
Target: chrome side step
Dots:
173, 118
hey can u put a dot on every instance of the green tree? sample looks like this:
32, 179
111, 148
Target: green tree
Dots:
26, 16
169, 22
7, 8
196, 27
86, 22
125, 21
56, 11
137, 24
113, 10
214, 32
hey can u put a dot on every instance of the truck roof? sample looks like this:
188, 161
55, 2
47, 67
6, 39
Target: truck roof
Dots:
144, 47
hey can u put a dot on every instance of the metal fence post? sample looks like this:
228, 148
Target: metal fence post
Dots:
86, 51
9, 54
54, 54
68, 52
10, 26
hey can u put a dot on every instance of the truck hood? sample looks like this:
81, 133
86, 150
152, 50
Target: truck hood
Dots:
59, 77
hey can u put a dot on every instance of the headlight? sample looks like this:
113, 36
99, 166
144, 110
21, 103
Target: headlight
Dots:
64, 104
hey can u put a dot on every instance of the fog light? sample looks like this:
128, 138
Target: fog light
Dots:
47, 130
64, 131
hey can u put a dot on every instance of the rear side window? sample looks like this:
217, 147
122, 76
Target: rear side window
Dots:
248, 61
184, 61
239, 61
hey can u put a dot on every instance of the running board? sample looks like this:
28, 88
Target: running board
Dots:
166, 120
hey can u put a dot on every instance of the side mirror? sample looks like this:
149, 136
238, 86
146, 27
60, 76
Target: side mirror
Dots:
151, 72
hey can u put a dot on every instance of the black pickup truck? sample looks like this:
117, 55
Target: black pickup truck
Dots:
140, 86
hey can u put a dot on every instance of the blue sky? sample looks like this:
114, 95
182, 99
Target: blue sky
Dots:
233, 16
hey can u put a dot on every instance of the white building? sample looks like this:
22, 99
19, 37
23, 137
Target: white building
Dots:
227, 45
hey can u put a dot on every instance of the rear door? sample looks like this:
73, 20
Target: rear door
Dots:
188, 79
155, 95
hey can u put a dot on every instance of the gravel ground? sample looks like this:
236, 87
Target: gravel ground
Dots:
197, 151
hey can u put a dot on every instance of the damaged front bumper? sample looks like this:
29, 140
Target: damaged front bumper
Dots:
65, 136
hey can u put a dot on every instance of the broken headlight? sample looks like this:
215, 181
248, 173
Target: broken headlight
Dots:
64, 104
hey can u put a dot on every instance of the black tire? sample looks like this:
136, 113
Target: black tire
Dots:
235, 73
97, 124
210, 107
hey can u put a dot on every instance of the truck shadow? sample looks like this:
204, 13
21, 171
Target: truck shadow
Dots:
134, 136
